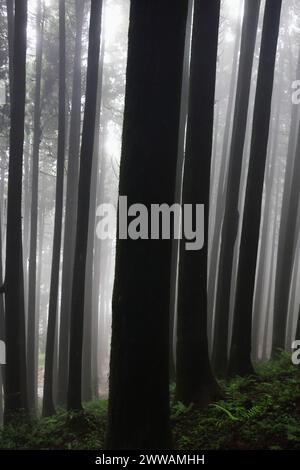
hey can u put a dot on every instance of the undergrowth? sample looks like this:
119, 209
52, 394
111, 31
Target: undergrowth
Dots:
258, 412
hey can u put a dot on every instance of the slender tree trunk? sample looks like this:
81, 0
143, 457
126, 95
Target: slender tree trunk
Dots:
231, 217
83, 209
178, 189
71, 212
87, 390
105, 247
2, 329
194, 379
139, 416
48, 401
95, 321
96, 357
223, 174
26, 216
240, 352
41, 235
31, 332
265, 253
15, 392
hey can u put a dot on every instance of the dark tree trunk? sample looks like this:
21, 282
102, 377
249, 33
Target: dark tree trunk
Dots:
10, 28
48, 401
240, 352
31, 331
71, 213
194, 379
83, 208
2, 329
231, 218
139, 370
15, 388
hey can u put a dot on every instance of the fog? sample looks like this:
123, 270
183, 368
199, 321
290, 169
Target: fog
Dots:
276, 293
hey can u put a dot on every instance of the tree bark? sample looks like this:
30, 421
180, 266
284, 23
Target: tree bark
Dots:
2, 328
83, 209
89, 312
138, 417
194, 379
231, 217
70, 212
223, 175
31, 331
178, 189
48, 401
15, 388
240, 352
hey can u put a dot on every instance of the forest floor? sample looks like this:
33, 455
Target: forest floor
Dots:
258, 412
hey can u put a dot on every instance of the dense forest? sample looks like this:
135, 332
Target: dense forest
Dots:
149, 224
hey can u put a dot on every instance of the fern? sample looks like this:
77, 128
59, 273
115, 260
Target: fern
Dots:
242, 413
229, 414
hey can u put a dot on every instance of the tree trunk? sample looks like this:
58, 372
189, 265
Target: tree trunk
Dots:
178, 189
240, 352
231, 218
194, 380
2, 328
31, 332
265, 253
15, 389
223, 175
48, 402
87, 389
269, 286
71, 212
83, 208
97, 283
139, 416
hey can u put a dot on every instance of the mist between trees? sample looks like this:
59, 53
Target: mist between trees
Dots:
162, 102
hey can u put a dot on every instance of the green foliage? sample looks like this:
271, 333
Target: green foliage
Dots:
179, 409
258, 412
65, 430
